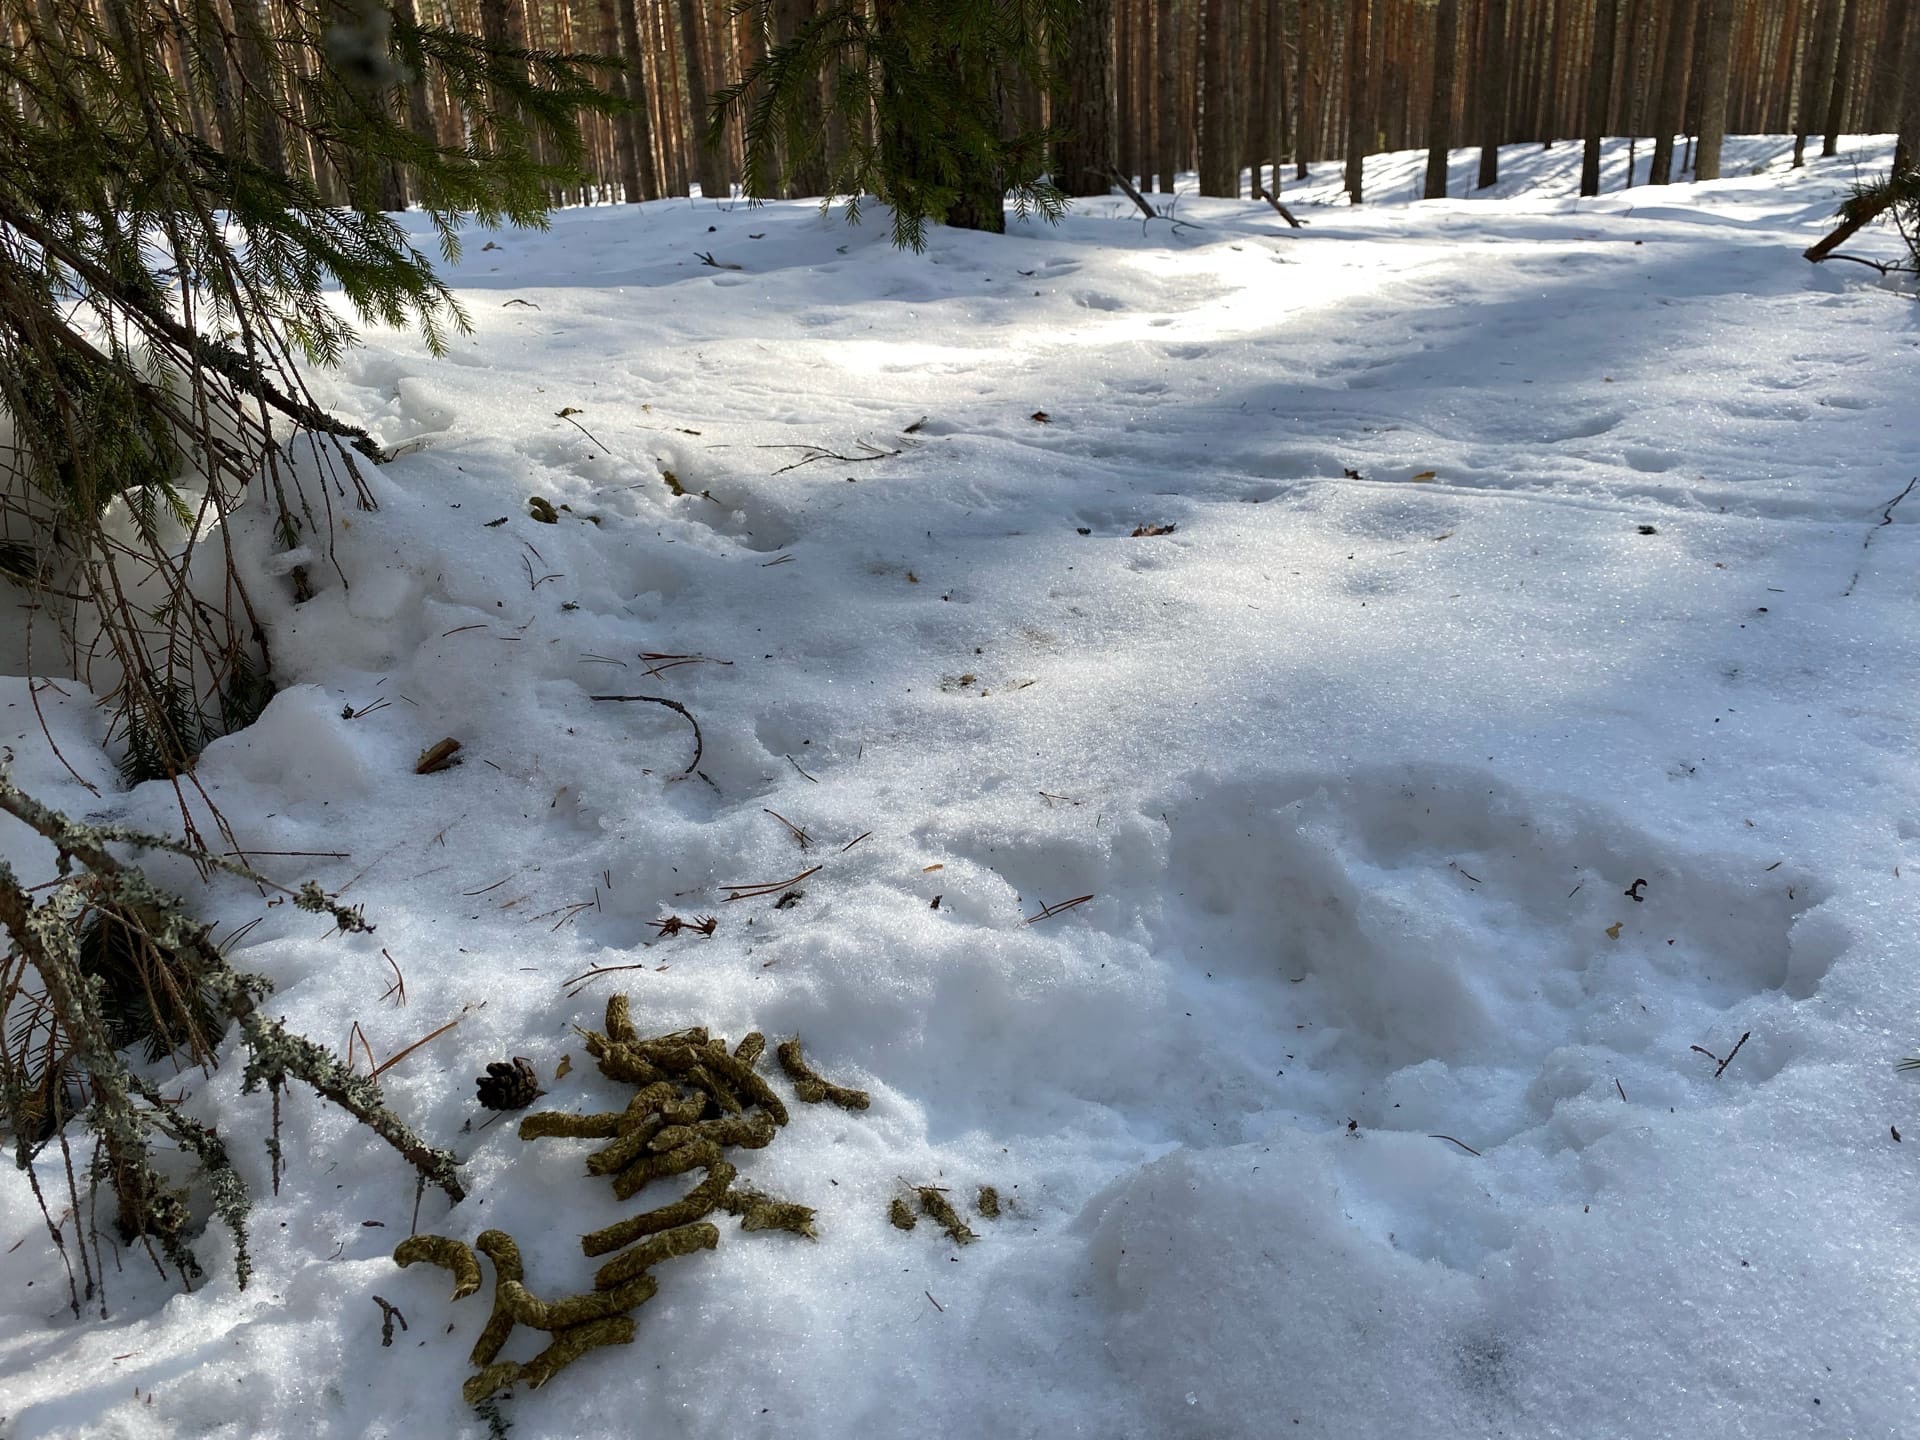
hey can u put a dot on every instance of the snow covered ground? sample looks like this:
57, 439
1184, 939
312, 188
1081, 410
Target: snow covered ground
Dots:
1521, 696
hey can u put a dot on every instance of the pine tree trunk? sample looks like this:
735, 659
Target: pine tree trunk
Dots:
1277, 103
265, 142
1715, 74
1606, 17
1785, 62
1219, 143
706, 166
1166, 40
1087, 112
1125, 157
1906, 150
807, 172
1256, 135
1440, 113
1816, 90
1306, 131
1889, 78
1359, 16
636, 126
1493, 93
1843, 66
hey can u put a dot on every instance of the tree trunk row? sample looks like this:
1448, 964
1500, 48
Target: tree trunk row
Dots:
1219, 90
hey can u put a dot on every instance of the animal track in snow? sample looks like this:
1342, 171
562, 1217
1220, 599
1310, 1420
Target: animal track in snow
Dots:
1437, 950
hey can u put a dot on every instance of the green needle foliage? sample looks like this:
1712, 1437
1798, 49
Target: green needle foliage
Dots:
1899, 193
919, 87
170, 227
191, 210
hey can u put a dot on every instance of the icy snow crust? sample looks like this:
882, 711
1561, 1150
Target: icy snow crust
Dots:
1358, 764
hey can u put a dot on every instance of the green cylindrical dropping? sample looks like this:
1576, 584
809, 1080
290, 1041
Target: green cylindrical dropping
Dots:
683, 1240
447, 1254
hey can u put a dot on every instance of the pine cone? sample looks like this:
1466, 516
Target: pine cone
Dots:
509, 1086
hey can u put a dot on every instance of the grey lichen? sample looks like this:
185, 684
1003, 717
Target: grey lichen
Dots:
45, 932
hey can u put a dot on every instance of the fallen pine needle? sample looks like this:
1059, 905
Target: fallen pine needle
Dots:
398, 1056
1047, 912
757, 891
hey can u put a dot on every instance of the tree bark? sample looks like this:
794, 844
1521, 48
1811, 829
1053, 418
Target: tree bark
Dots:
1358, 139
806, 173
633, 131
1816, 92
1842, 78
265, 143
1907, 146
1716, 72
1306, 132
1440, 113
1087, 111
1219, 138
1606, 18
706, 158
1889, 77
1493, 93
1166, 41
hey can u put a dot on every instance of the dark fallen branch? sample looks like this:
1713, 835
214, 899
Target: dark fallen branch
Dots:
1260, 192
874, 452
1886, 519
1862, 208
699, 744
1881, 265
1132, 194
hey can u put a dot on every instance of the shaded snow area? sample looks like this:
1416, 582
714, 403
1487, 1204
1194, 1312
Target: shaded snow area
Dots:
1514, 710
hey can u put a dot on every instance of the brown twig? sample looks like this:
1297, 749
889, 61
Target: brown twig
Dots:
1730, 1054
535, 584
803, 774
874, 452
855, 841
1461, 1143
388, 1314
699, 742
567, 416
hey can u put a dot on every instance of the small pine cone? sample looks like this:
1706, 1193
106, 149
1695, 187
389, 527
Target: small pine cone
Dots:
509, 1086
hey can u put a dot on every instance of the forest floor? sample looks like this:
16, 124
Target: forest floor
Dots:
1459, 656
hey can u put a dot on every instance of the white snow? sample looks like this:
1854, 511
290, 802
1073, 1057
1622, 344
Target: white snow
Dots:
1527, 548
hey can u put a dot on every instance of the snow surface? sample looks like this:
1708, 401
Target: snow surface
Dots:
1522, 554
